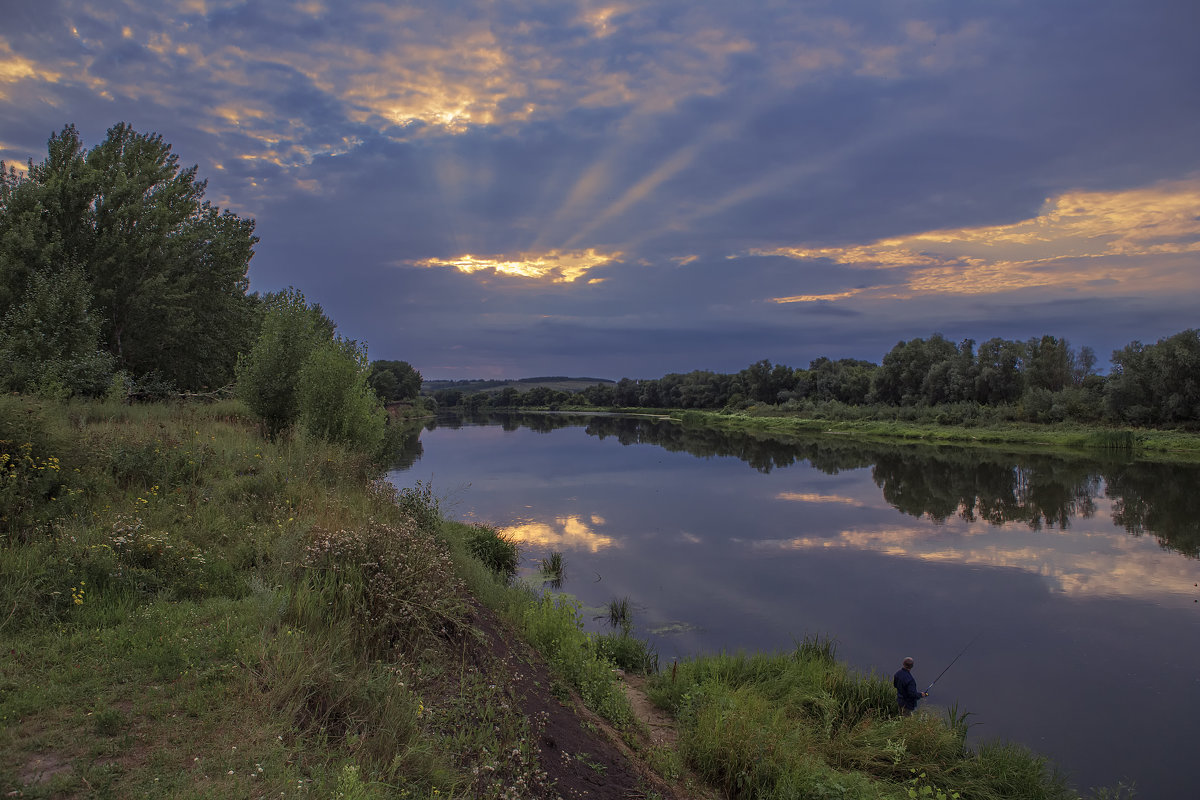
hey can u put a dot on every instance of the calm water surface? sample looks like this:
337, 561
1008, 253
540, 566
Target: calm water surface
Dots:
1075, 578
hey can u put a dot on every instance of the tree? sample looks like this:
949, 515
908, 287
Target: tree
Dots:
764, 382
167, 270
999, 378
846, 380
1048, 363
48, 342
1156, 383
902, 378
268, 376
394, 380
335, 402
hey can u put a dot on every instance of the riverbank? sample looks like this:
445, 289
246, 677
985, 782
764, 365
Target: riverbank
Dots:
1158, 444
193, 611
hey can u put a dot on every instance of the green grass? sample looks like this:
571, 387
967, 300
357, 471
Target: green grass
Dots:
554, 569
192, 610
800, 724
1148, 443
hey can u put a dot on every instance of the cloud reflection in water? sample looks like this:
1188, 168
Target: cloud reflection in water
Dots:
573, 532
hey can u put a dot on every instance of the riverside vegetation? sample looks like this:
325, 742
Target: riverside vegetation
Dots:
191, 609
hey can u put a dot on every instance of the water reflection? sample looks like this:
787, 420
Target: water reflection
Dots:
562, 533
1113, 569
937, 483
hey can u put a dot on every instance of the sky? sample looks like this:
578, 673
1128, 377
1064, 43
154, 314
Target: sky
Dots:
626, 189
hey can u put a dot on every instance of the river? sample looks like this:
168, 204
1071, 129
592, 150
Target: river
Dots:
1072, 580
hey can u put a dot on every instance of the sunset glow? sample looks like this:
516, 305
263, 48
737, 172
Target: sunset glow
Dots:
553, 266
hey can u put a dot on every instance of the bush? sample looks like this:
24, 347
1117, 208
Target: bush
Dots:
34, 486
627, 652
268, 376
335, 401
49, 343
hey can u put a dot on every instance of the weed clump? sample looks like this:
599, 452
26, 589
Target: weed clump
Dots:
394, 583
497, 552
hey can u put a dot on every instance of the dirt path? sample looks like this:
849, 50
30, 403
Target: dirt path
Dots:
583, 756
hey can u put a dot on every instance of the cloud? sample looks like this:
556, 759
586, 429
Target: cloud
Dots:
1108, 241
553, 266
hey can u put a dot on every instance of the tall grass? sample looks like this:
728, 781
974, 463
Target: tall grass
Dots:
303, 614
553, 569
799, 724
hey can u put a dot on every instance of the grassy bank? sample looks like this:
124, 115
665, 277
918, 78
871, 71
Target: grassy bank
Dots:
191, 610
799, 725
1146, 442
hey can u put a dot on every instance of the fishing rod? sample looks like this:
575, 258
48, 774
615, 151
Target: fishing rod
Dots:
951, 664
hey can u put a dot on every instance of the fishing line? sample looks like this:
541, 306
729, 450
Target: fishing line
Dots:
951, 664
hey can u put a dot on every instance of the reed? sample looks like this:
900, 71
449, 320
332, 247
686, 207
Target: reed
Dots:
553, 569
619, 614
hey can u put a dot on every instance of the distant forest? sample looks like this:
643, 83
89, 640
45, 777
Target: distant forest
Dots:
1043, 379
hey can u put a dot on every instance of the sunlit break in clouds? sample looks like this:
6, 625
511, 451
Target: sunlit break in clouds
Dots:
621, 189
553, 266
1112, 240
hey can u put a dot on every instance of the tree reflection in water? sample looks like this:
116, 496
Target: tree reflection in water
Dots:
934, 481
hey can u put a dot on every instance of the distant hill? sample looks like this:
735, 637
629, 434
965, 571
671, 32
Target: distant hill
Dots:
558, 382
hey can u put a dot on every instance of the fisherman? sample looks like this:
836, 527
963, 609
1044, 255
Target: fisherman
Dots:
906, 688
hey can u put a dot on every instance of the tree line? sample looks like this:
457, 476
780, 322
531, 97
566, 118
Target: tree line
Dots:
118, 279
1042, 379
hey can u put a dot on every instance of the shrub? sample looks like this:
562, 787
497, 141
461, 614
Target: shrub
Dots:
268, 376
627, 652
335, 401
48, 343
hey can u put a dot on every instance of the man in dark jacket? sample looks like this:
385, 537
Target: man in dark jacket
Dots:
906, 688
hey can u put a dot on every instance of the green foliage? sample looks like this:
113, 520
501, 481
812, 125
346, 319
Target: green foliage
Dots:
48, 342
800, 724
552, 625
36, 486
394, 380
166, 270
1157, 383
258, 612
619, 615
553, 568
335, 401
495, 550
628, 652
268, 376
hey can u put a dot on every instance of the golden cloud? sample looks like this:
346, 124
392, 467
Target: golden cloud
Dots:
1123, 238
553, 266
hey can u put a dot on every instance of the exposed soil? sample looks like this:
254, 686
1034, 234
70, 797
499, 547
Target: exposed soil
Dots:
580, 752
